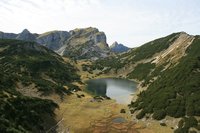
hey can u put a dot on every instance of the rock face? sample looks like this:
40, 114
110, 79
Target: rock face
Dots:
118, 48
54, 39
26, 36
85, 43
7, 35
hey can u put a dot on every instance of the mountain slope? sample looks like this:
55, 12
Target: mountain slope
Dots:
7, 35
118, 48
143, 54
162, 53
27, 72
33, 63
85, 43
168, 72
53, 39
177, 88
26, 36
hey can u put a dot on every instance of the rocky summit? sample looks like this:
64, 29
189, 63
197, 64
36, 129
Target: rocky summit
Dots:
85, 44
26, 36
118, 48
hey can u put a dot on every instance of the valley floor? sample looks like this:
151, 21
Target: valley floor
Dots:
85, 115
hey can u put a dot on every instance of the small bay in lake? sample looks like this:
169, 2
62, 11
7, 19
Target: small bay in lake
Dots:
118, 89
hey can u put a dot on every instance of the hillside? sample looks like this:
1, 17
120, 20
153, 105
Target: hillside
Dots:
167, 69
28, 72
177, 89
164, 50
129, 60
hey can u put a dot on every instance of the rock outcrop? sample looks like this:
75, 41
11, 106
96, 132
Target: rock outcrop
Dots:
26, 36
85, 43
118, 48
7, 35
53, 39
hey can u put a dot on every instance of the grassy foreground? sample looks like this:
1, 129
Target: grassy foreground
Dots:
80, 115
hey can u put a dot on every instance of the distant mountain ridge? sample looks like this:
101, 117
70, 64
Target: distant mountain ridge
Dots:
118, 47
51, 40
82, 43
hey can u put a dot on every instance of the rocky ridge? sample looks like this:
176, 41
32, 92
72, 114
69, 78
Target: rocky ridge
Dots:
84, 43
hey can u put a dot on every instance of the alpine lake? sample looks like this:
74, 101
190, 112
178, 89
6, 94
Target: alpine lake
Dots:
120, 90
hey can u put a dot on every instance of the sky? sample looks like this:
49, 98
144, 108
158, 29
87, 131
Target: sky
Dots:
130, 22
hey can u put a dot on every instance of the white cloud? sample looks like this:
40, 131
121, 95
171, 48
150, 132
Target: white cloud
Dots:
131, 22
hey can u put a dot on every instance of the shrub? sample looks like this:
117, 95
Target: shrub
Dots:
122, 111
159, 114
163, 124
140, 115
185, 124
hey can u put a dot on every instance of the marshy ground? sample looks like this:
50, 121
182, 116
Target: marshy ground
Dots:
86, 115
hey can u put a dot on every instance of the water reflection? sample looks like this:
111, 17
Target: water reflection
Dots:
118, 89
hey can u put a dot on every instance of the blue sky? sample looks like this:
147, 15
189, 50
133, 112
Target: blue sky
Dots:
131, 22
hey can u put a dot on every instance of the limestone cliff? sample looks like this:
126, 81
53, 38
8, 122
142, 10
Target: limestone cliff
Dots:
85, 44
53, 39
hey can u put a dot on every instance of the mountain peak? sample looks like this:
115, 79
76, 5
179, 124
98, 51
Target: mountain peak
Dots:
118, 47
84, 30
25, 31
26, 35
183, 32
114, 44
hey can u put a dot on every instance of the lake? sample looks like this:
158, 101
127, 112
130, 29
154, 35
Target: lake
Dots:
118, 89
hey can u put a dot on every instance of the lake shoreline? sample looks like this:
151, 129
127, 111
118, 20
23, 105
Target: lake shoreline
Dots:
119, 89
134, 95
